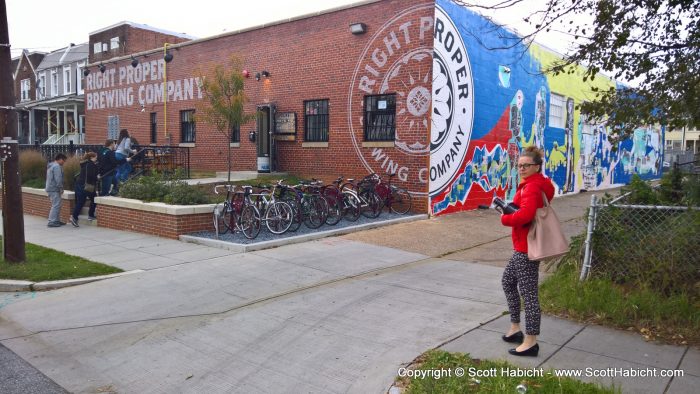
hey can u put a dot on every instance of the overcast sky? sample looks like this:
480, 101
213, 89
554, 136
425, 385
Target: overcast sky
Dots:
46, 25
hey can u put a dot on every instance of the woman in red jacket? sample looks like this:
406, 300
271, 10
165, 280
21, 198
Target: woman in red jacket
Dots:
521, 271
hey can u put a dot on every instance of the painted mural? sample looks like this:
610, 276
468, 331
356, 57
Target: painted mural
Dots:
512, 109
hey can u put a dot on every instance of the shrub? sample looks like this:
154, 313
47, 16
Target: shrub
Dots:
32, 168
70, 169
157, 187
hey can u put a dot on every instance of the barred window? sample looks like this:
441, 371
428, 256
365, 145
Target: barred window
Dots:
316, 120
235, 133
154, 127
556, 111
380, 116
187, 126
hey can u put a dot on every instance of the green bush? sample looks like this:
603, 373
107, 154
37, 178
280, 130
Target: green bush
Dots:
159, 188
32, 168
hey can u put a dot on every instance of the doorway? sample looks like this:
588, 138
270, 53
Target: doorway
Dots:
265, 142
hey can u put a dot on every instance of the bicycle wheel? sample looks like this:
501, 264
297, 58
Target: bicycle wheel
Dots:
250, 221
335, 209
325, 207
312, 209
297, 217
374, 203
401, 201
278, 217
351, 207
221, 225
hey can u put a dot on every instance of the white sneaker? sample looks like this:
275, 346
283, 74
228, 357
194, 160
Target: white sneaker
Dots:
74, 222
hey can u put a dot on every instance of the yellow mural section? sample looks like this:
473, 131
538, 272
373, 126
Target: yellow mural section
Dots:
569, 86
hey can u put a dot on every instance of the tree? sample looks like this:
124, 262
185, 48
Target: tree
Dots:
652, 44
224, 101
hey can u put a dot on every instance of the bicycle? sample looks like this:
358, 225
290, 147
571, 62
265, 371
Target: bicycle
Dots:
278, 215
236, 213
371, 204
348, 200
397, 199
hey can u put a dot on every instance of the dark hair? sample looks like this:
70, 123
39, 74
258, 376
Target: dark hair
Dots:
60, 156
108, 142
123, 133
535, 154
89, 155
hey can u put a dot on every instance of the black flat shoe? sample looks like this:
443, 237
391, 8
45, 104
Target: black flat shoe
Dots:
531, 352
518, 337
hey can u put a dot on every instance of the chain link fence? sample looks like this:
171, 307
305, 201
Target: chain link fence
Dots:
636, 245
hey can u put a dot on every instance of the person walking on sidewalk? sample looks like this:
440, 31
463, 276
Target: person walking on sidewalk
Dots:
85, 187
54, 189
521, 272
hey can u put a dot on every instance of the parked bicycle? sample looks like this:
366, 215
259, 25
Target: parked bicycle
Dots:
237, 213
395, 198
278, 215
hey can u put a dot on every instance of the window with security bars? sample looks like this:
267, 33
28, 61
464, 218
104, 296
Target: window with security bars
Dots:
235, 133
556, 111
154, 127
187, 126
316, 121
380, 117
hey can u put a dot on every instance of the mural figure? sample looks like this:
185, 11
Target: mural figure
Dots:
569, 151
515, 126
537, 137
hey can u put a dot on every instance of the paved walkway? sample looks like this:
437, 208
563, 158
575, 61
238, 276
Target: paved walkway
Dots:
335, 315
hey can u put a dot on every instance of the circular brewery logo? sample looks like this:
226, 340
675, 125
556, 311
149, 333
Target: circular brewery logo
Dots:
397, 61
453, 103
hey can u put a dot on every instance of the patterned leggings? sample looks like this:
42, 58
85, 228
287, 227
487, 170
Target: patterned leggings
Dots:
523, 272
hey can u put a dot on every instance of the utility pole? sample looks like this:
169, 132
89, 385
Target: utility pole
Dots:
12, 212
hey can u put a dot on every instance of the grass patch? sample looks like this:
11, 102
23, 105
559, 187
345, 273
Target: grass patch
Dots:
35, 183
499, 383
45, 264
201, 174
673, 318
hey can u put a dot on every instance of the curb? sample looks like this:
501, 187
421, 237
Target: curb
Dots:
7, 285
242, 248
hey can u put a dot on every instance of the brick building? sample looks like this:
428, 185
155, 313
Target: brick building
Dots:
405, 86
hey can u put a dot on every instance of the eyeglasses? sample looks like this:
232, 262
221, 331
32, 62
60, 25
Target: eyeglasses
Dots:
525, 166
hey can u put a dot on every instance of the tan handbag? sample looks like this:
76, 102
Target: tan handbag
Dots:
545, 240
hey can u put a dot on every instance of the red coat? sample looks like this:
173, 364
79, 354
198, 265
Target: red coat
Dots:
528, 197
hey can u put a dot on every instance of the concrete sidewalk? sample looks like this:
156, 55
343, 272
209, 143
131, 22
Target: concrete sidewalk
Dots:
339, 315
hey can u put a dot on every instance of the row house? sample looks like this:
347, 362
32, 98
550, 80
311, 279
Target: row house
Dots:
24, 69
53, 111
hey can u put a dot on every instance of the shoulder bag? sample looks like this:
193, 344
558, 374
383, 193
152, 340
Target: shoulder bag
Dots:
545, 240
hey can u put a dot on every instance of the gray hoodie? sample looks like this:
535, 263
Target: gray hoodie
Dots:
54, 177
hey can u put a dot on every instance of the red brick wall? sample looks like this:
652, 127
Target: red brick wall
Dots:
312, 58
131, 40
38, 205
162, 225
25, 72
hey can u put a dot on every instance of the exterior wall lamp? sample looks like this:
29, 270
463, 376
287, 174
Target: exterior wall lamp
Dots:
168, 57
265, 74
358, 28
257, 76
102, 68
86, 72
134, 62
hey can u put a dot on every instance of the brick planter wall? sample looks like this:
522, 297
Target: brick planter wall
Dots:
36, 202
159, 219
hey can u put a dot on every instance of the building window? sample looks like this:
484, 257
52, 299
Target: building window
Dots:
113, 127
187, 126
41, 89
97, 48
380, 115
154, 127
236, 133
316, 121
557, 114
114, 43
67, 80
80, 78
54, 83
25, 85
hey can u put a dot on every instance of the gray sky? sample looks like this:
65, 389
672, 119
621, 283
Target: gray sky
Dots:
46, 25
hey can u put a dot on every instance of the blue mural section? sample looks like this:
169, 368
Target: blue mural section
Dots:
513, 110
